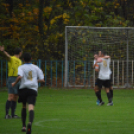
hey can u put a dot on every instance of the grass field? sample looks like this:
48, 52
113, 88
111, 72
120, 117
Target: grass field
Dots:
74, 111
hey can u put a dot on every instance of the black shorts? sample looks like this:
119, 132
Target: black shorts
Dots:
96, 83
111, 79
27, 96
105, 83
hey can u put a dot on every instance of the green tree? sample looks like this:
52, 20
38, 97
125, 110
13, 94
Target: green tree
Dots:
38, 26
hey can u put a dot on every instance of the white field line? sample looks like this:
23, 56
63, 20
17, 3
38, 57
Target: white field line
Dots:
39, 123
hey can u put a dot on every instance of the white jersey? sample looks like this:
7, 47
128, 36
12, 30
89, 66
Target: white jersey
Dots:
105, 72
30, 74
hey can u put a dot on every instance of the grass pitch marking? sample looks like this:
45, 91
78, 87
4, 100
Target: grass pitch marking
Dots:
39, 123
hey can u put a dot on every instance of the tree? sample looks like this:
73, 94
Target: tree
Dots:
38, 26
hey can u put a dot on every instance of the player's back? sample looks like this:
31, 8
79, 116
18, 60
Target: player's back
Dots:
105, 71
13, 65
30, 74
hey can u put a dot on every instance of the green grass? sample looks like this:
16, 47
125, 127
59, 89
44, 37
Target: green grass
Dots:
74, 111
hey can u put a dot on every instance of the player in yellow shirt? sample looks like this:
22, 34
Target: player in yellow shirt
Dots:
13, 63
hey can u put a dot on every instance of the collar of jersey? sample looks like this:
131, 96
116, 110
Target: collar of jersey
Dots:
28, 63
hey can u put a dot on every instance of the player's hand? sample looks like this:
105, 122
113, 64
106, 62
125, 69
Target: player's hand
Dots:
13, 84
42, 81
99, 60
2, 48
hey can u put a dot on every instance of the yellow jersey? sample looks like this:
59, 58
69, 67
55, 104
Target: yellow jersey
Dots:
13, 65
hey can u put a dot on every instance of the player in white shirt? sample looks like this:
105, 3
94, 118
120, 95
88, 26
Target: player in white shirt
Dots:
103, 78
101, 55
29, 75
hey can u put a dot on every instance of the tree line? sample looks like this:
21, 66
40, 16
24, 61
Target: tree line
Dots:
38, 26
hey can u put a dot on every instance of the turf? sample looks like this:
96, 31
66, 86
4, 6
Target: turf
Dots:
74, 111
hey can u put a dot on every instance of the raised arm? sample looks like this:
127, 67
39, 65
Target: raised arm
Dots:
2, 49
106, 57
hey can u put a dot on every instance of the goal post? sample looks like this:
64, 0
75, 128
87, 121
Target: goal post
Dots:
81, 42
66, 59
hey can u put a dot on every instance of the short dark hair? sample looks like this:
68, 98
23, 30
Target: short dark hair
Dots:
103, 52
27, 57
95, 53
17, 50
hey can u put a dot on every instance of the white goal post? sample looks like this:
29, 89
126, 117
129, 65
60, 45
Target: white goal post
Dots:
81, 42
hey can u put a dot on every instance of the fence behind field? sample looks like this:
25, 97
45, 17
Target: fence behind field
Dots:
54, 73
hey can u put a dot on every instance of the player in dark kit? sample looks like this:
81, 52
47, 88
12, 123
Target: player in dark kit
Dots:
29, 75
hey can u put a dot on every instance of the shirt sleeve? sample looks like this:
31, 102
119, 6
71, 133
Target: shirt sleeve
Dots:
20, 72
20, 62
94, 61
40, 74
109, 60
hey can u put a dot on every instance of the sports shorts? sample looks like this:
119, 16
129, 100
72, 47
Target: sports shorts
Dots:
27, 96
111, 79
12, 90
105, 83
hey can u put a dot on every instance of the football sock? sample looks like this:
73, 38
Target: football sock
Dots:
109, 97
8, 105
98, 94
13, 107
23, 116
31, 116
111, 91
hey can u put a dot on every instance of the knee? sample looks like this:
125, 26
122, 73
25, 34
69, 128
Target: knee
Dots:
24, 105
15, 97
96, 89
107, 90
111, 88
10, 97
30, 107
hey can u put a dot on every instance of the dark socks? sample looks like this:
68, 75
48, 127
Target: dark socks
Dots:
111, 91
13, 107
31, 116
109, 97
98, 94
8, 105
23, 116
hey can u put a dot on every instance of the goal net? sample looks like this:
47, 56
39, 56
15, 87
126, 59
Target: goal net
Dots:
81, 42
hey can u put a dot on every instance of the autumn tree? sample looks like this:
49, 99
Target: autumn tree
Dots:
38, 25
